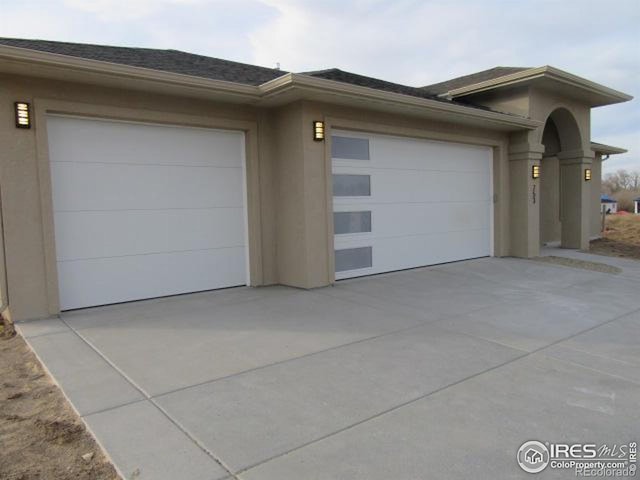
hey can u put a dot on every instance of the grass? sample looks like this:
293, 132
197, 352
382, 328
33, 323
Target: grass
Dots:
621, 237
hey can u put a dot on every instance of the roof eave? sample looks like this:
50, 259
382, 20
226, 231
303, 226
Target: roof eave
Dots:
52, 65
608, 95
607, 149
67, 65
305, 83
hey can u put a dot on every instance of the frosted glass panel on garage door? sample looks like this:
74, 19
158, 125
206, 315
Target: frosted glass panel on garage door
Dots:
430, 202
143, 211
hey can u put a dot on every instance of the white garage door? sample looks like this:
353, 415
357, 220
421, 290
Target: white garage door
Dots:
143, 211
402, 203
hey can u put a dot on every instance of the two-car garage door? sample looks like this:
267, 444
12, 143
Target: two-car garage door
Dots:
144, 211
401, 203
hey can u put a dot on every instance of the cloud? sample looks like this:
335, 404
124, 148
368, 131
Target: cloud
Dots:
217, 28
418, 43
628, 161
415, 42
126, 9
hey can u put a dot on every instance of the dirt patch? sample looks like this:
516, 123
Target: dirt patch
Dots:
612, 248
575, 263
42, 437
621, 237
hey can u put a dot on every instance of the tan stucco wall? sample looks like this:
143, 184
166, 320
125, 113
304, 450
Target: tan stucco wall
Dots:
524, 197
596, 187
514, 100
550, 226
544, 102
25, 183
290, 197
4, 299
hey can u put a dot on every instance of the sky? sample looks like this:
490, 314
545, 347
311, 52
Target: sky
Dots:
405, 41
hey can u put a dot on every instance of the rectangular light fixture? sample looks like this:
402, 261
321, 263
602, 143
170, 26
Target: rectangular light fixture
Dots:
23, 115
318, 131
535, 171
587, 174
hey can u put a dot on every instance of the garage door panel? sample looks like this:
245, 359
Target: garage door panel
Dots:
427, 186
411, 251
103, 141
394, 219
126, 187
81, 234
413, 219
398, 253
478, 238
406, 153
395, 185
112, 280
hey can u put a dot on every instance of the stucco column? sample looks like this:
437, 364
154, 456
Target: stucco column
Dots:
524, 199
303, 215
594, 204
575, 199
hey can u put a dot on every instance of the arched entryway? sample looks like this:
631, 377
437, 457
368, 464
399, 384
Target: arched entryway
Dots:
563, 190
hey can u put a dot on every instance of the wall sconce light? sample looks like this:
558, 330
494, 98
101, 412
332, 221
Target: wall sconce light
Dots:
587, 174
318, 131
535, 171
23, 115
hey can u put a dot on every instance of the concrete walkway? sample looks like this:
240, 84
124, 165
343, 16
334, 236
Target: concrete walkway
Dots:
439, 372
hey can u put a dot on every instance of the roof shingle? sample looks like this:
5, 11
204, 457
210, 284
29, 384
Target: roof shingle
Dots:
459, 82
173, 61
363, 81
191, 64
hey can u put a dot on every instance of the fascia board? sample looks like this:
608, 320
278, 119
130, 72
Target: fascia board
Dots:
607, 149
552, 73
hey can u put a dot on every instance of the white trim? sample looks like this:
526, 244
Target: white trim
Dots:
245, 210
492, 208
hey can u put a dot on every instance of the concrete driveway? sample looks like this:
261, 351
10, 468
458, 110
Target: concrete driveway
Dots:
440, 372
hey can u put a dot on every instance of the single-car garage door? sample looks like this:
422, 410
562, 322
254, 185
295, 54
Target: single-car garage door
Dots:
143, 210
402, 203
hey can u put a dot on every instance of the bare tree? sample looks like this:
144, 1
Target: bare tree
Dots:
624, 186
622, 180
635, 180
